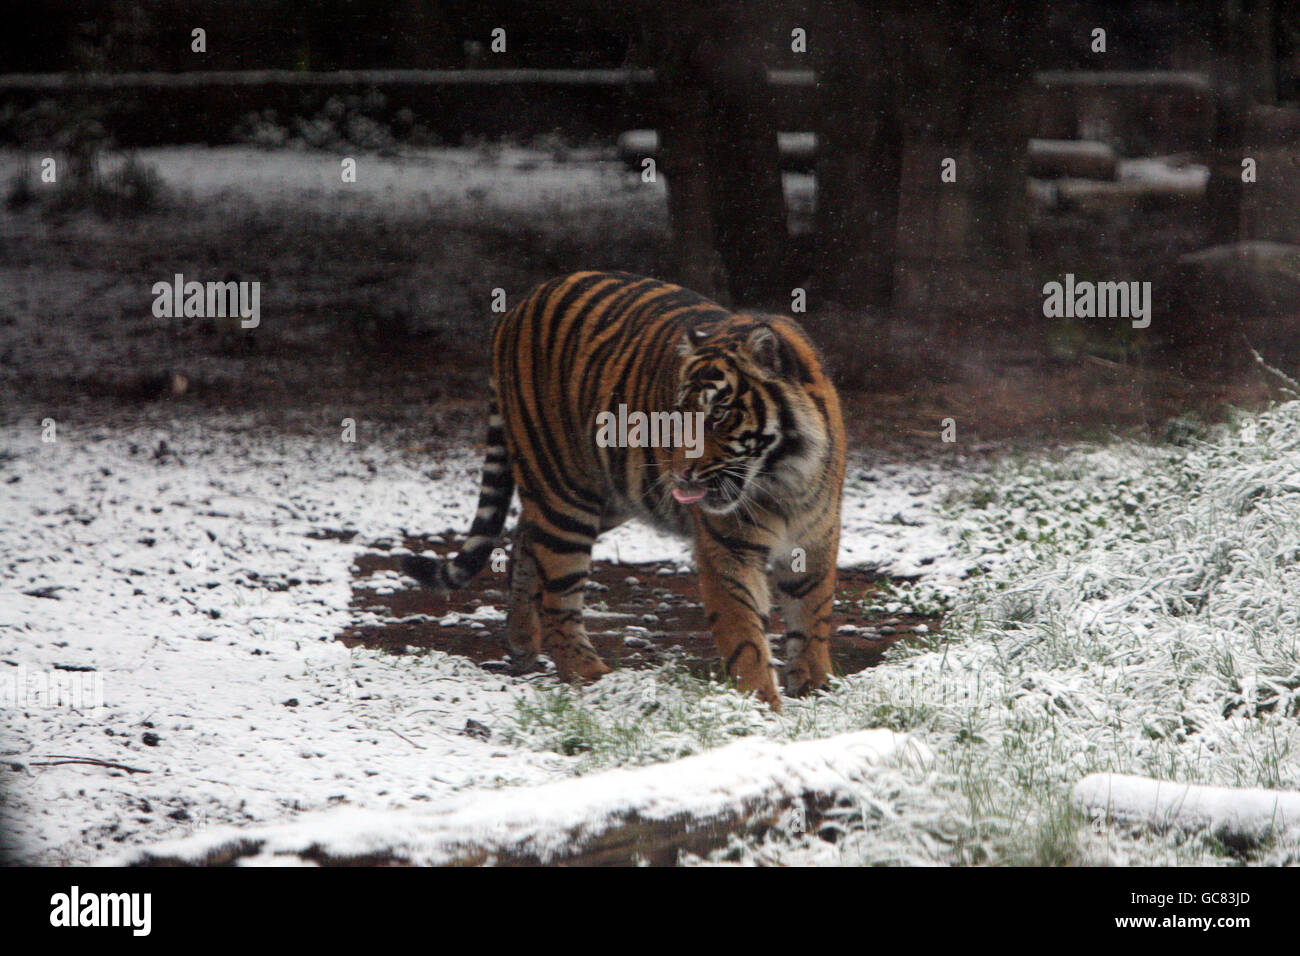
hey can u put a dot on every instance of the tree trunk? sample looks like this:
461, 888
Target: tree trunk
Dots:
962, 242
859, 171
684, 160
720, 156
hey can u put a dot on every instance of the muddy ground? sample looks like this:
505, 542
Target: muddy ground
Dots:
638, 616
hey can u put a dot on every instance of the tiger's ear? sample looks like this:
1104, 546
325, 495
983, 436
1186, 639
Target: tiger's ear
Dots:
768, 349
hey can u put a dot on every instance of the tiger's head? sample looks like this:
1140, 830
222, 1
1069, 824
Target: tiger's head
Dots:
756, 383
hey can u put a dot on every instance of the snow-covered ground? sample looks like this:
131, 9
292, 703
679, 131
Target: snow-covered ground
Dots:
187, 570
1127, 609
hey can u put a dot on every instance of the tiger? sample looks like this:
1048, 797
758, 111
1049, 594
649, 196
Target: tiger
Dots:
762, 485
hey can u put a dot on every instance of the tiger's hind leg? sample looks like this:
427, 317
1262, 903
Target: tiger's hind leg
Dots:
561, 564
523, 623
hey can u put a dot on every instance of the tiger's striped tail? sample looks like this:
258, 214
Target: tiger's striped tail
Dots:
493, 506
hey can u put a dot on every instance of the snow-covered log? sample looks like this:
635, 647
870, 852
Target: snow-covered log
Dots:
622, 816
1239, 817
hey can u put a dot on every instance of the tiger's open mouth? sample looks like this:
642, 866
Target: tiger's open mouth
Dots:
717, 493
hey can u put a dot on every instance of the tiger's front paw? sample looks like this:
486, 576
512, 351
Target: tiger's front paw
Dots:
762, 684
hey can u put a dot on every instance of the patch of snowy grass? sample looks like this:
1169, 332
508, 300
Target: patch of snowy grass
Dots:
630, 718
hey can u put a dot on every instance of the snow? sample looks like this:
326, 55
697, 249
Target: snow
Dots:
191, 584
448, 181
1125, 609
193, 565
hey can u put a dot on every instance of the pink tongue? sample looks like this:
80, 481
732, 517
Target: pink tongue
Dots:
688, 497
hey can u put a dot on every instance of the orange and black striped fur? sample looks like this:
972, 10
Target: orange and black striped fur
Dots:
764, 488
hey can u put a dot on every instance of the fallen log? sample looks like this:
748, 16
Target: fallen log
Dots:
649, 814
1090, 195
1239, 817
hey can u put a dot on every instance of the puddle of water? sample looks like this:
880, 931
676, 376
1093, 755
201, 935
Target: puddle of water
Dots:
636, 616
